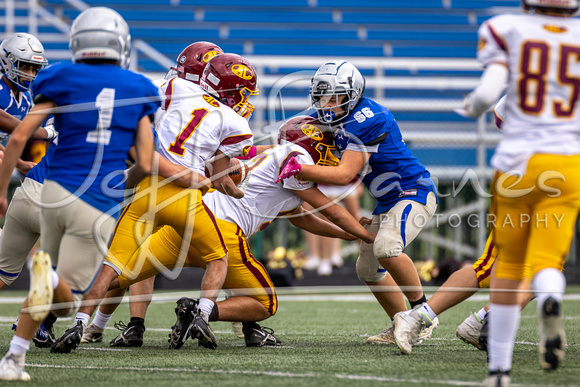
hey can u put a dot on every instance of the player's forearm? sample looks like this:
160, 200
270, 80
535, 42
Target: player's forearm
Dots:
341, 217
181, 175
315, 225
491, 86
8, 122
326, 175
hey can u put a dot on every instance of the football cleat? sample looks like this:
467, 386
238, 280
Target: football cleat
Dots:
552, 337
12, 368
385, 337
40, 293
238, 329
257, 336
201, 330
70, 339
497, 379
131, 335
92, 334
180, 331
469, 331
408, 327
43, 338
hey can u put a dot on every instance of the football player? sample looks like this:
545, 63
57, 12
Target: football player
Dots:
372, 147
535, 56
199, 122
253, 294
94, 138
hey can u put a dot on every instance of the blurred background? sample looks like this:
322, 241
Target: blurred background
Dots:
418, 59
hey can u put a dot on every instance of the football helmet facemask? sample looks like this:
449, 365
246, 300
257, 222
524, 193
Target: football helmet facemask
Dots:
100, 33
336, 84
568, 7
192, 60
22, 57
312, 136
231, 79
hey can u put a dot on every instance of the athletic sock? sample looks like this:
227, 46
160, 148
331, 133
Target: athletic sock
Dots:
481, 314
425, 310
418, 302
503, 327
205, 305
81, 317
49, 321
55, 279
19, 346
136, 321
215, 313
101, 319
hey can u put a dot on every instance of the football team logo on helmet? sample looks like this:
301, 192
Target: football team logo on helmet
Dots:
208, 55
312, 131
210, 100
242, 71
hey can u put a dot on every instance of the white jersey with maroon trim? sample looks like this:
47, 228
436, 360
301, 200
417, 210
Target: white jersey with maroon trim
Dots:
542, 54
195, 125
264, 200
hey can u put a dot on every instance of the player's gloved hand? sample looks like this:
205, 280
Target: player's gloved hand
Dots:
250, 155
467, 109
291, 169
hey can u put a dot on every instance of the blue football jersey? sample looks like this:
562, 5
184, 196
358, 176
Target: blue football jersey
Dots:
393, 173
12, 106
99, 107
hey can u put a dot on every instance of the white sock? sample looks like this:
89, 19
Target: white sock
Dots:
481, 314
19, 346
82, 317
548, 283
55, 279
205, 305
101, 319
503, 327
426, 310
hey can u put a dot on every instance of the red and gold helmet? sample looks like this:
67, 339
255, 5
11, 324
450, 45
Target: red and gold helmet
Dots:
194, 58
232, 79
314, 137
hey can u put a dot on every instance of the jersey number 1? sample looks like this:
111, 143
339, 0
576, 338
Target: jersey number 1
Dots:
105, 103
177, 146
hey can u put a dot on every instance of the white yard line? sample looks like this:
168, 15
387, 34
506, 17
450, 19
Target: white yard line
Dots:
276, 374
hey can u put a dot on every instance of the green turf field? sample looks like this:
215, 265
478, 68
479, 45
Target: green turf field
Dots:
323, 344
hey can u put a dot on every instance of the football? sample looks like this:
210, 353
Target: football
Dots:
238, 170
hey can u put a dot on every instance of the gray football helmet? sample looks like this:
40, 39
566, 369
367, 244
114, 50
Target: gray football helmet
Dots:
565, 6
100, 33
18, 51
336, 78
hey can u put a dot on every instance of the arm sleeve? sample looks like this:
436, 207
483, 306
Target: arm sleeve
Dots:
236, 139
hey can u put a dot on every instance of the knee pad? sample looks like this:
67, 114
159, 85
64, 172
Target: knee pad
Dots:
369, 271
388, 245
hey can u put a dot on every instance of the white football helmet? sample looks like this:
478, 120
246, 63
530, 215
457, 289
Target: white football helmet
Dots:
566, 6
336, 78
18, 51
100, 33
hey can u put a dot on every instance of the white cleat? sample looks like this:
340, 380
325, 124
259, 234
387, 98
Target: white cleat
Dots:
385, 337
407, 330
469, 331
12, 368
92, 334
40, 293
552, 337
238, 329
500, 379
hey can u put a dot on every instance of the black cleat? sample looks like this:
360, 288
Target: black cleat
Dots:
552, 336
70, 339
131, 335
185, 313
201, 330
257, 336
